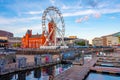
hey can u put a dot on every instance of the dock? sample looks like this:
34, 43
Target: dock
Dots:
106, 70
77, 72
113, 61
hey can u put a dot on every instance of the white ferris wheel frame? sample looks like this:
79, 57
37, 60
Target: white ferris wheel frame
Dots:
53, 13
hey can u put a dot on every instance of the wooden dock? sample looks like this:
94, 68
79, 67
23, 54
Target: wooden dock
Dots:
76, 72
106, 70
111, 65
105, 61
114, 61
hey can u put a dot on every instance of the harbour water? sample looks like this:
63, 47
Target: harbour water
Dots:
45, 73
101, 76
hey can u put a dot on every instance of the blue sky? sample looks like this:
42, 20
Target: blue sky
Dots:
83, 18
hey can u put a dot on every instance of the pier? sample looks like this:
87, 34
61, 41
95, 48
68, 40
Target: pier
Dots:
77, 72
106, 70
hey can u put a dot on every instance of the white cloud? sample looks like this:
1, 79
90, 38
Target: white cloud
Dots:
17, 20
79, 20
65, 7
97, 15
5, 21
21, 30
77, 13
85, 18
35, 29
92, 11
108, 11
113, 17
52, 2
33, 12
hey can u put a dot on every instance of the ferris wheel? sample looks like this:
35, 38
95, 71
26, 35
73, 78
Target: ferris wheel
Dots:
53, 26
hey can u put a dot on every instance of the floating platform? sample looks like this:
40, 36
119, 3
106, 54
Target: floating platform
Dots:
77, 72
106, 70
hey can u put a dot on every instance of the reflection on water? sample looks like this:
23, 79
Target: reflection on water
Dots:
37, 73
45, 73
100, 76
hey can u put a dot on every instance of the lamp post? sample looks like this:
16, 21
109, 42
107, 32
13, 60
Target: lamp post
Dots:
83, 56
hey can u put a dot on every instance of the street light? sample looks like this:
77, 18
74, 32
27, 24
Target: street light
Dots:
83, 56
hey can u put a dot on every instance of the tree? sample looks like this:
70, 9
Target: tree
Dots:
80, 43
16, 45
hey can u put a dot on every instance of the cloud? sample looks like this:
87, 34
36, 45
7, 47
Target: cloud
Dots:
77, 13
85, 18
33, 12
79, 20
65, 7
97, 15
17, 20
52, 2
108, 11
21, 30
113, 17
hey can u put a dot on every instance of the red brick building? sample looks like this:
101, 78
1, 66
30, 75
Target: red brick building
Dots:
32, 41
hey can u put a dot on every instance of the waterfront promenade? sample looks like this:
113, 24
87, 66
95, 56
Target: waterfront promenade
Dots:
30, 65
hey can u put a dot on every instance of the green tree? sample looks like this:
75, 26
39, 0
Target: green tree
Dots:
16, 45
80, 43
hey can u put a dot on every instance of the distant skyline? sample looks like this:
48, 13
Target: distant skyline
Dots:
83, 18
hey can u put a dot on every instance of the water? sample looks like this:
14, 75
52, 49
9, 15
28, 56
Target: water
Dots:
107, 65
100, 76
38, 74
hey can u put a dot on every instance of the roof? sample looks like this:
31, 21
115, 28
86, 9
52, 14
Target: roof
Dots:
116, 34
6, 33
35, 36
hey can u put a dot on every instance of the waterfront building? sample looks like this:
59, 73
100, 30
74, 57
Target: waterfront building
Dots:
4, 35
104, 40
33, 41
84, 42
118, 36
112, 40
107, 40
72, 41
97, 42
14, 41
73, 37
